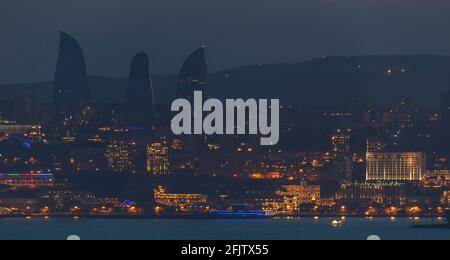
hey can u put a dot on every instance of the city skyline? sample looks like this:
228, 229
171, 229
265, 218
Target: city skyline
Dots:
146, 130
286, 31
388, 73
402, 75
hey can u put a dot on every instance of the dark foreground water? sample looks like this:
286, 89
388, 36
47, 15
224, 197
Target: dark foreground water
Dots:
175, 229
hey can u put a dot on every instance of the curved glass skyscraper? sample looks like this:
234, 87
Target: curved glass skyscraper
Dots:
72, 95
71, 80
193, 75
140, 105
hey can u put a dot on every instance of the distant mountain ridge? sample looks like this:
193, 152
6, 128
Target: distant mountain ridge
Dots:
375, 80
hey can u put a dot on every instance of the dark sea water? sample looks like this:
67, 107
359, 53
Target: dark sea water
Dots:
176, 229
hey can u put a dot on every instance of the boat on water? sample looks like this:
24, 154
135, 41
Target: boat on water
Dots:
240, 211
337, 223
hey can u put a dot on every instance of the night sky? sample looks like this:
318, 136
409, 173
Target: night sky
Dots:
237, 32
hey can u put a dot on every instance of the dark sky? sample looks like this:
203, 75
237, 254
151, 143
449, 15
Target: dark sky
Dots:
237, 32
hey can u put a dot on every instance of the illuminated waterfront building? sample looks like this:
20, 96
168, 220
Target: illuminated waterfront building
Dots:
436, 178
295, 195
362, 193
275, 205
384, 193
30, 180
158, 158
57, 198
395, 166
341, 141
61, 199
181, 202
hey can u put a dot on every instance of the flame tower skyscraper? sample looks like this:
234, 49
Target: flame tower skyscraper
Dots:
140, 105
71, 94
71, 80
193, 75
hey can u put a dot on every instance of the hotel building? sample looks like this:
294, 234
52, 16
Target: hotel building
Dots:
395, 166
295, 195
384, 193
181, 202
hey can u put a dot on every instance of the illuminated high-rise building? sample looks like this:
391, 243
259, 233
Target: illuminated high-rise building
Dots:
123, 153
140, 103
395, 166
117, 156
341, 141
376, 145
158, 158
193, 75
